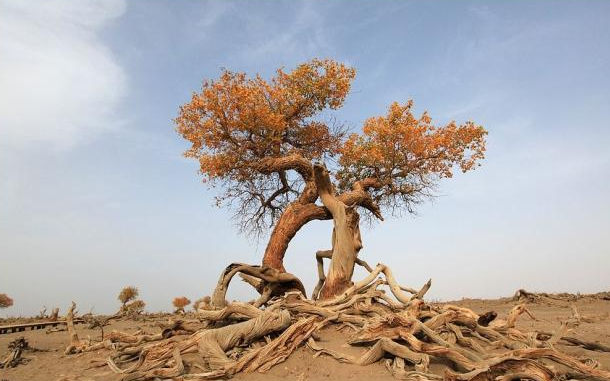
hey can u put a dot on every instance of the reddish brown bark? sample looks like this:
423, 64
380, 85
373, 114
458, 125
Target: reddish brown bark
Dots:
298, 214
291, 221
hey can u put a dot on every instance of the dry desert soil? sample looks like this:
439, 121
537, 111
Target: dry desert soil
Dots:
50, 364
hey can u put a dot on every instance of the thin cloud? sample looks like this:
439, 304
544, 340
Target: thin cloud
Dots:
305, 36
60, 83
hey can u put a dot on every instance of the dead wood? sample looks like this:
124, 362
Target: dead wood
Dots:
279, 349
276, 282
381, 347
514, 313
76, 345
43, 313
54, 314
245, 337
235, 310
160, 359
397, 368
560, 358
16, 348
569, 340
543, 297
505, 369
590, 345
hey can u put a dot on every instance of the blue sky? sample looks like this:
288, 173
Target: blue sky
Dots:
94, 193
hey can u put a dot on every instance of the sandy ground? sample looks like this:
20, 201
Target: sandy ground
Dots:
53, 365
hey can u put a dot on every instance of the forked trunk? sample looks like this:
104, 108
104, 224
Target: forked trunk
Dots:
301, 212
346, 244
346, 237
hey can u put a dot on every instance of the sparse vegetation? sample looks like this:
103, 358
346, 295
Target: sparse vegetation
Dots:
131, 305
179, 303
265, 143
400, 329
136, 307
128, 294
5, 301
202, 303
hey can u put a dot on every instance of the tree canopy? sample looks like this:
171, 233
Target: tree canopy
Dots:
259, 138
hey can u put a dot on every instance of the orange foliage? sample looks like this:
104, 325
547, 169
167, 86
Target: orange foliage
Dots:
259, 138
5, 301
235, 120
181, 302
404, 155
128, 293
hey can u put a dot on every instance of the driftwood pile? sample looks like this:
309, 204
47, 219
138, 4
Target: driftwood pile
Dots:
397, 327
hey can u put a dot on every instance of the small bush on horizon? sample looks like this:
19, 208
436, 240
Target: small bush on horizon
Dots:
136, 307
180, 302
202, 303
128, 294
5, 301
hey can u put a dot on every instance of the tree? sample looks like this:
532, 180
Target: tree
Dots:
180, 302
260, 140
5, 301
131, 305
128, 294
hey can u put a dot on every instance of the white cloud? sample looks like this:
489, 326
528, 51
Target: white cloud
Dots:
59, 83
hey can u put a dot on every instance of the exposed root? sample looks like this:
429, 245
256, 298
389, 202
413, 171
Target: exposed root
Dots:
397, 368
235, 310
273, 282
514, 313
279, 349
505, 369
240, 337
54, 314
590, 345
76, 345
16, 348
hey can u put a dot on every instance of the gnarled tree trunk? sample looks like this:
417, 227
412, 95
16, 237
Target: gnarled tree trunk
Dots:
346, 241
304, 210
291, 221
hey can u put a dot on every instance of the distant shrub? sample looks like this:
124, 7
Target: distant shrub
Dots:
181, 302
135, 307
128, 294
5, 301
203, 303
